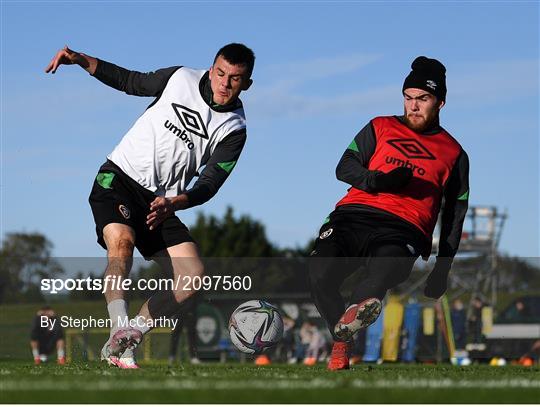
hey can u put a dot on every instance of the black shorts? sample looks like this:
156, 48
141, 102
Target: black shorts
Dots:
116, 198
47, 344
45, 337
354, 232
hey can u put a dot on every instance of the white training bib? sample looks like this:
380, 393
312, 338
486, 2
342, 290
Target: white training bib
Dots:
175, 136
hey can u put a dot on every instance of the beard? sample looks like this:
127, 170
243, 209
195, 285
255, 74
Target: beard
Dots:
421, 124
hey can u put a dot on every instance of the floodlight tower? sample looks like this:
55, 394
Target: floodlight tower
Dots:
475, 272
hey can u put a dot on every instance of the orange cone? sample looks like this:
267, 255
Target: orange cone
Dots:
262, 360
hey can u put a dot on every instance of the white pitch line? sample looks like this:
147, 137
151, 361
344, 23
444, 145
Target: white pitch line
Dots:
190, 384
448, 383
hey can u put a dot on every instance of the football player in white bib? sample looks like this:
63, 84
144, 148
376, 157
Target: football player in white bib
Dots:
195, 125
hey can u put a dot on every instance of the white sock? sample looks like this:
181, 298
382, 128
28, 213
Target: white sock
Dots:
35, 353
139, 323
60, 353
117, 313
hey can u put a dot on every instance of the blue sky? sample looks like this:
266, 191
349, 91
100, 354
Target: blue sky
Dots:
323, 71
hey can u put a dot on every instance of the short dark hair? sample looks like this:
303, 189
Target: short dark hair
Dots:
238, 54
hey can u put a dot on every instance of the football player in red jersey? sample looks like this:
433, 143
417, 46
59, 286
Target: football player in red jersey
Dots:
399, 168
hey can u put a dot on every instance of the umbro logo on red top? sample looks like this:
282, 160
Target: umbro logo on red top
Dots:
411, 148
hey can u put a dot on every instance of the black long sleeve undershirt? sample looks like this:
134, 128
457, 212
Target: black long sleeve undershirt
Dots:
133, 82
456, 203
218, 168
353, 166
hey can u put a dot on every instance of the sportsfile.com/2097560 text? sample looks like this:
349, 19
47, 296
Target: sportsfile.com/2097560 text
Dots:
186, 283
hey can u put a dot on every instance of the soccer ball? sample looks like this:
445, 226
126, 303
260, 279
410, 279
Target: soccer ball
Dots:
255, 326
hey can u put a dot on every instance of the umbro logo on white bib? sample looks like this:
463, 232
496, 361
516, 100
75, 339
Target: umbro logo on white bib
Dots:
191, 120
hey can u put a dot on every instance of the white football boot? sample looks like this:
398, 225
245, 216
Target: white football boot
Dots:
128, 361
118, 350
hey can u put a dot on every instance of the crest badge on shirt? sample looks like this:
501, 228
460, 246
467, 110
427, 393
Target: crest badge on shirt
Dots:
124, 211
326, 233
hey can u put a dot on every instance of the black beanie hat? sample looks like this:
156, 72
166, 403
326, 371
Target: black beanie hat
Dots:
427, 74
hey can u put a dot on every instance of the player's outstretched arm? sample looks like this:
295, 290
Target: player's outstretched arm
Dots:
130, 82
67, 56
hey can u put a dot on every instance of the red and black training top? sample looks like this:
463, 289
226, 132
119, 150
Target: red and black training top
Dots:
440, 169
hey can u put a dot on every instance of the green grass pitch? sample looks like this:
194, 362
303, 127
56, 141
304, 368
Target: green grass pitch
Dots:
93, 382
